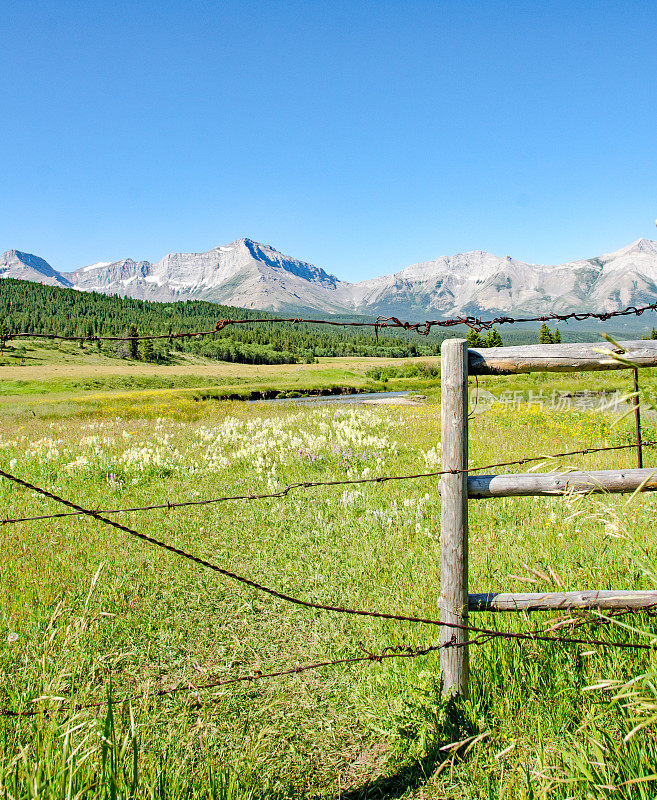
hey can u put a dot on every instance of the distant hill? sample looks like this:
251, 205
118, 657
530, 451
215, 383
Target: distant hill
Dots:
256, 276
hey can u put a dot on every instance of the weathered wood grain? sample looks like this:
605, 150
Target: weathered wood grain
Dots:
454, 514
559, 357
561, 601
537, 483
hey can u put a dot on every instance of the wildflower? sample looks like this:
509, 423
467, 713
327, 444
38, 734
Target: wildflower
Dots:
432, 457
113, 481
79, 463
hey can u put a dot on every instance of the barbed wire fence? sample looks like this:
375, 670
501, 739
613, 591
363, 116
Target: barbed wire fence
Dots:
483, 634
402, 651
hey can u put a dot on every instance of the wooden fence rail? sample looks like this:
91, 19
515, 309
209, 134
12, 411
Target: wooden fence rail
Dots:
560, 357
605, 600
548, 484
457, 363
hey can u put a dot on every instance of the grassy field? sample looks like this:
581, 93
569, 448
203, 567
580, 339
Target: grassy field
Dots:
73, 381
63, 380
89, 613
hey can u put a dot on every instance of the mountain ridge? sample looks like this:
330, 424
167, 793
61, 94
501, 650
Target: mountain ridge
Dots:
249, 274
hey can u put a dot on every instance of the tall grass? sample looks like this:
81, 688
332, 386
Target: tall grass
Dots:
88, 616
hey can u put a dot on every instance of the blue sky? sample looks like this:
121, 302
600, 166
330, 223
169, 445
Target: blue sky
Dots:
360, 136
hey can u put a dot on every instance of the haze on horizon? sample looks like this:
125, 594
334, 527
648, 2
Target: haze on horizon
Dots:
356, 136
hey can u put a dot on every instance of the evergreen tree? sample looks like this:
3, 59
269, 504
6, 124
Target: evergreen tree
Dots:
133, 344
474, 339
493, 338
545, 335
556, 336
147, 350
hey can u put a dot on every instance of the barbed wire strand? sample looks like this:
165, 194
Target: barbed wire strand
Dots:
315, 484
381, 323
404, 652
282, 595
398, 651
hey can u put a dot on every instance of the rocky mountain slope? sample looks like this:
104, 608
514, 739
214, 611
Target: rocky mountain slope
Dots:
243, 273
479, 282
26, 267
251, 275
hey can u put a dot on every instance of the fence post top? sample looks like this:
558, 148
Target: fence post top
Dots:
453, 343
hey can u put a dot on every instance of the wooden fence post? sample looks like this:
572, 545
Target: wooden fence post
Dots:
454, 513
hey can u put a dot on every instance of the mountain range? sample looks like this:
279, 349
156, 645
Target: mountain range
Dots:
251, 275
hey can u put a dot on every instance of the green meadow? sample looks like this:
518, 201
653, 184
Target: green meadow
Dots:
92, 615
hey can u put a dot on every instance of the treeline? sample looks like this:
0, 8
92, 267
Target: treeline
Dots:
36, 308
